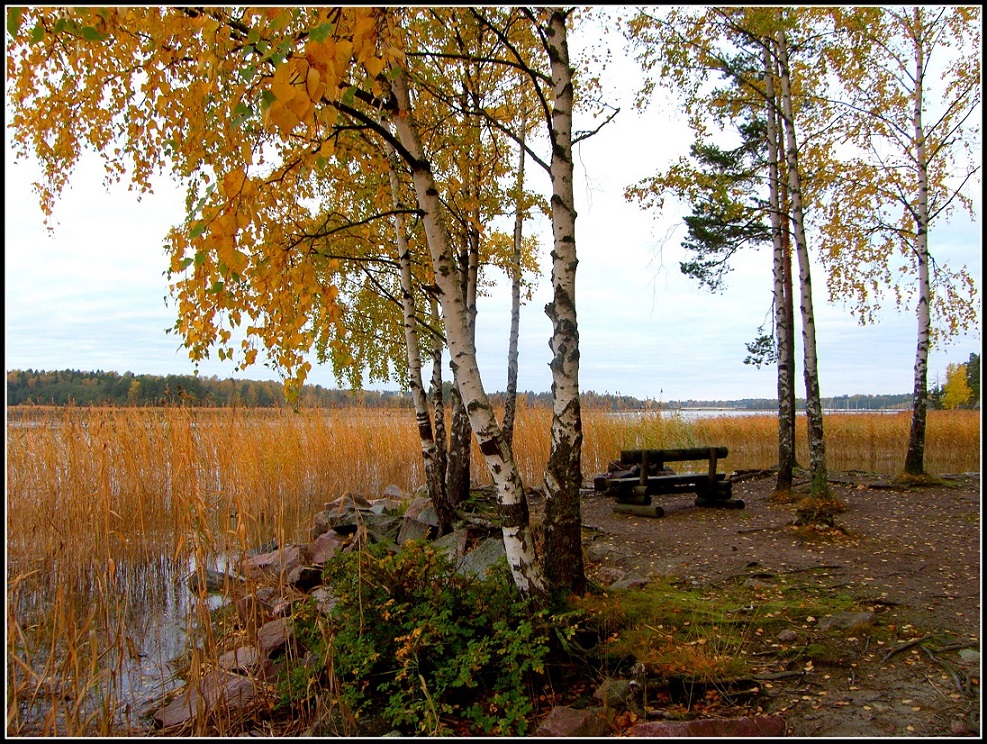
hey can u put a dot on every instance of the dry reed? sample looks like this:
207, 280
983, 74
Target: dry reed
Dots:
109, 509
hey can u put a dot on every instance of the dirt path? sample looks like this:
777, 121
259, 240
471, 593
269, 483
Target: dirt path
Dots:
912, 557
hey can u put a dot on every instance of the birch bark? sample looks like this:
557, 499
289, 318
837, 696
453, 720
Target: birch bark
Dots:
518, 540
434, 474
563, 473
784, 302
915, 456
819, 484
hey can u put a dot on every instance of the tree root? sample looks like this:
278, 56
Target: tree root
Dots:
904, 647
963, 688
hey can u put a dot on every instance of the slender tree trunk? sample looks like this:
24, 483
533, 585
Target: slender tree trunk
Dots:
789, 412
518, 541
784, 304
434, 474
915, 456
438, 404
563, 474
510, 401
819, 484
460, 448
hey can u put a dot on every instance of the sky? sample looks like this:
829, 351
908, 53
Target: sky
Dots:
92, 294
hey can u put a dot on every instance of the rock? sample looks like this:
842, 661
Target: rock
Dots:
610, 575
787, 635
325, 546
959, 728
613, 693
242, 659
630, 582
453, 544
320, 524
422, 510
758, 726
210, 580
276, 563
215, 690
479, 560
969, 655
846, 620
273, 636
414, 529
382, 527
348, 499
304, 578
324, 601
395, 493
252, 610
597, 552
385, 506
564, 721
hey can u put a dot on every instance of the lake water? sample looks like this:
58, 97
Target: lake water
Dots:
690, 414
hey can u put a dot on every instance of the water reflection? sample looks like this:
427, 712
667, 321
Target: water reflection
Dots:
128, 628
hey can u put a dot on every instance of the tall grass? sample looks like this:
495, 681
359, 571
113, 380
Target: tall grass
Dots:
108, 510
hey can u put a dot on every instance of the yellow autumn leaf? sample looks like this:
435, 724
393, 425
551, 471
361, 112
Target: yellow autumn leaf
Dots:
320, 54
302, 108
313, 84
374, 66
283, 118
233, 182
281, 85
344, 51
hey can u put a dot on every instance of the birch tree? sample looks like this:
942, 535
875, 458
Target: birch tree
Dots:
247, 106
911, 90
689, 45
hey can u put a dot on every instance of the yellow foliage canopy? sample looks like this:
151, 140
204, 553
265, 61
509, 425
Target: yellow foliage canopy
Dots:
238, 103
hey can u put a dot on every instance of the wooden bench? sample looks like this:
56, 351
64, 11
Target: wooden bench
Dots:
641, 474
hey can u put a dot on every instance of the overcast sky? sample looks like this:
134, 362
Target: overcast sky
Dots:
92, 295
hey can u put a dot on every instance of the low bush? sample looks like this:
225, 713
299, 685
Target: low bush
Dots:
422, 645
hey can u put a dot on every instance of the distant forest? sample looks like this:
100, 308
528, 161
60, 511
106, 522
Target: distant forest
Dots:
73, 387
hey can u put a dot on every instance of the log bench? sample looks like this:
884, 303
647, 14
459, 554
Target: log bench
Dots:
641, 474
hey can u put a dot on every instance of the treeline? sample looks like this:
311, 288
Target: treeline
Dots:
841, 402
99, 388
73, 387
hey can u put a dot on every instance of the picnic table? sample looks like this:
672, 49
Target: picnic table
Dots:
641, 474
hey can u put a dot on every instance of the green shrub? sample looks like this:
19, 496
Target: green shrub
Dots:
423, 645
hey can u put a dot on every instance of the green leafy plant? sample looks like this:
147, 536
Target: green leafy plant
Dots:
425, 645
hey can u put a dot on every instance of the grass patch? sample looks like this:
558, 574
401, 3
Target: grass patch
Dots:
714, 634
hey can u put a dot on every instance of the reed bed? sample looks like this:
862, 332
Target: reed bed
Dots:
109, 510
874, 442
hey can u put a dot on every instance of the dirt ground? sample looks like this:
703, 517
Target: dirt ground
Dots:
909, 556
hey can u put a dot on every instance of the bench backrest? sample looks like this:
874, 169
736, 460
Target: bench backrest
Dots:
673, 455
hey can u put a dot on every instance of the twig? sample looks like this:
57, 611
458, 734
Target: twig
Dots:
778, 675
936, 688
904, 647
811, 568
948, 667
954, 646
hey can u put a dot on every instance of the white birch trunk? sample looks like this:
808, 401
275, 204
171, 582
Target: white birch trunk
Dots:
915, 456
782, 289
819, 485
434, 475
563, 474
518, 542
510, 402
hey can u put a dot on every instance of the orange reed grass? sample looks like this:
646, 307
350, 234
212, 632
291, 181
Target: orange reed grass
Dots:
109, 509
